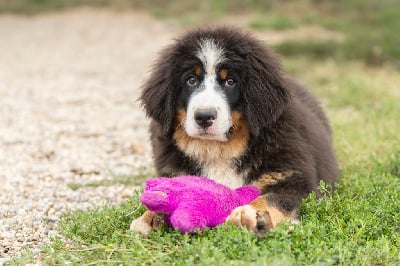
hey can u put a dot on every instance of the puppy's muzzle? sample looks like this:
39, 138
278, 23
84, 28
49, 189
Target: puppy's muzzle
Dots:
205, 117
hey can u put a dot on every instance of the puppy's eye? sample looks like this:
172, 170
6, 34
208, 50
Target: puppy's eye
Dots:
192, 81
230, 82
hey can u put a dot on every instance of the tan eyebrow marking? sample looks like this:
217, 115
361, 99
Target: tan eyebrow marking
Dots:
197, 71
223, 74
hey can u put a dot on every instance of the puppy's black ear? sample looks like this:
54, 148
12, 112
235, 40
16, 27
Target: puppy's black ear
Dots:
265, 95
159, 91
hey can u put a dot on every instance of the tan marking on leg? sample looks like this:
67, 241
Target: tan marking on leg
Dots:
276, 215
258, 216
271, 178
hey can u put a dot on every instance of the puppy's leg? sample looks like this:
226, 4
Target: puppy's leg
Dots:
147, 222
259, 216
279, 203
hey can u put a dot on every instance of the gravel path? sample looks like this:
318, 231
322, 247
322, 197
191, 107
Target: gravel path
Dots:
68, 114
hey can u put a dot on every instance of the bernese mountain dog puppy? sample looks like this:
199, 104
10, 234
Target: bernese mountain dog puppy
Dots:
221, 107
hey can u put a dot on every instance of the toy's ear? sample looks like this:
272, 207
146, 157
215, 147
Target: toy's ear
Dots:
160, 90
264, 93
155, 200
151, 183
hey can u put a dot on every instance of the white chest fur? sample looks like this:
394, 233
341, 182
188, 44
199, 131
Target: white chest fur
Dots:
223, 172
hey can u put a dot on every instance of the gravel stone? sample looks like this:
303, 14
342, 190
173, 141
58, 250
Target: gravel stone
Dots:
68, 114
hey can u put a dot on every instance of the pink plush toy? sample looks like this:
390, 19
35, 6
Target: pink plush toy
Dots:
191, 203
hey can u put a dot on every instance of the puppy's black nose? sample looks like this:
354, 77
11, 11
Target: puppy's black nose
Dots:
205, 117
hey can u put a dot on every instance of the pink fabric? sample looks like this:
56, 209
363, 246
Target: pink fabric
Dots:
192, 203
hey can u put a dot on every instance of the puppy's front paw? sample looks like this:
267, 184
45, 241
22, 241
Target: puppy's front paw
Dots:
147, 222
140, 226
249, 217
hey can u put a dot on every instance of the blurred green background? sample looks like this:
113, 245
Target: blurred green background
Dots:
366, 30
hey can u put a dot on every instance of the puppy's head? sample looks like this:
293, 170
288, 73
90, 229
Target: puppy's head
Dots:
209, 75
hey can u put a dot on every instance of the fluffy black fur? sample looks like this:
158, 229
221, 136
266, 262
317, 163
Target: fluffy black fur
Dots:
288, 129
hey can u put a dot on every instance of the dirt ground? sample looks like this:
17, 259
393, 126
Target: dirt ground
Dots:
68, 114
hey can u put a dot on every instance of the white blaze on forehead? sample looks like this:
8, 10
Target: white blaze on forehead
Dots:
209, 96
210, 55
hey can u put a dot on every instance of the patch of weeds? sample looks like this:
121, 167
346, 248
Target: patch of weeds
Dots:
136, 180
25, 258
274, 23
389, 165
100, 225
74, 186
369, 26
311, 49
359, 222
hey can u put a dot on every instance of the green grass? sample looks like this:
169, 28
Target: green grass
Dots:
358, 224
